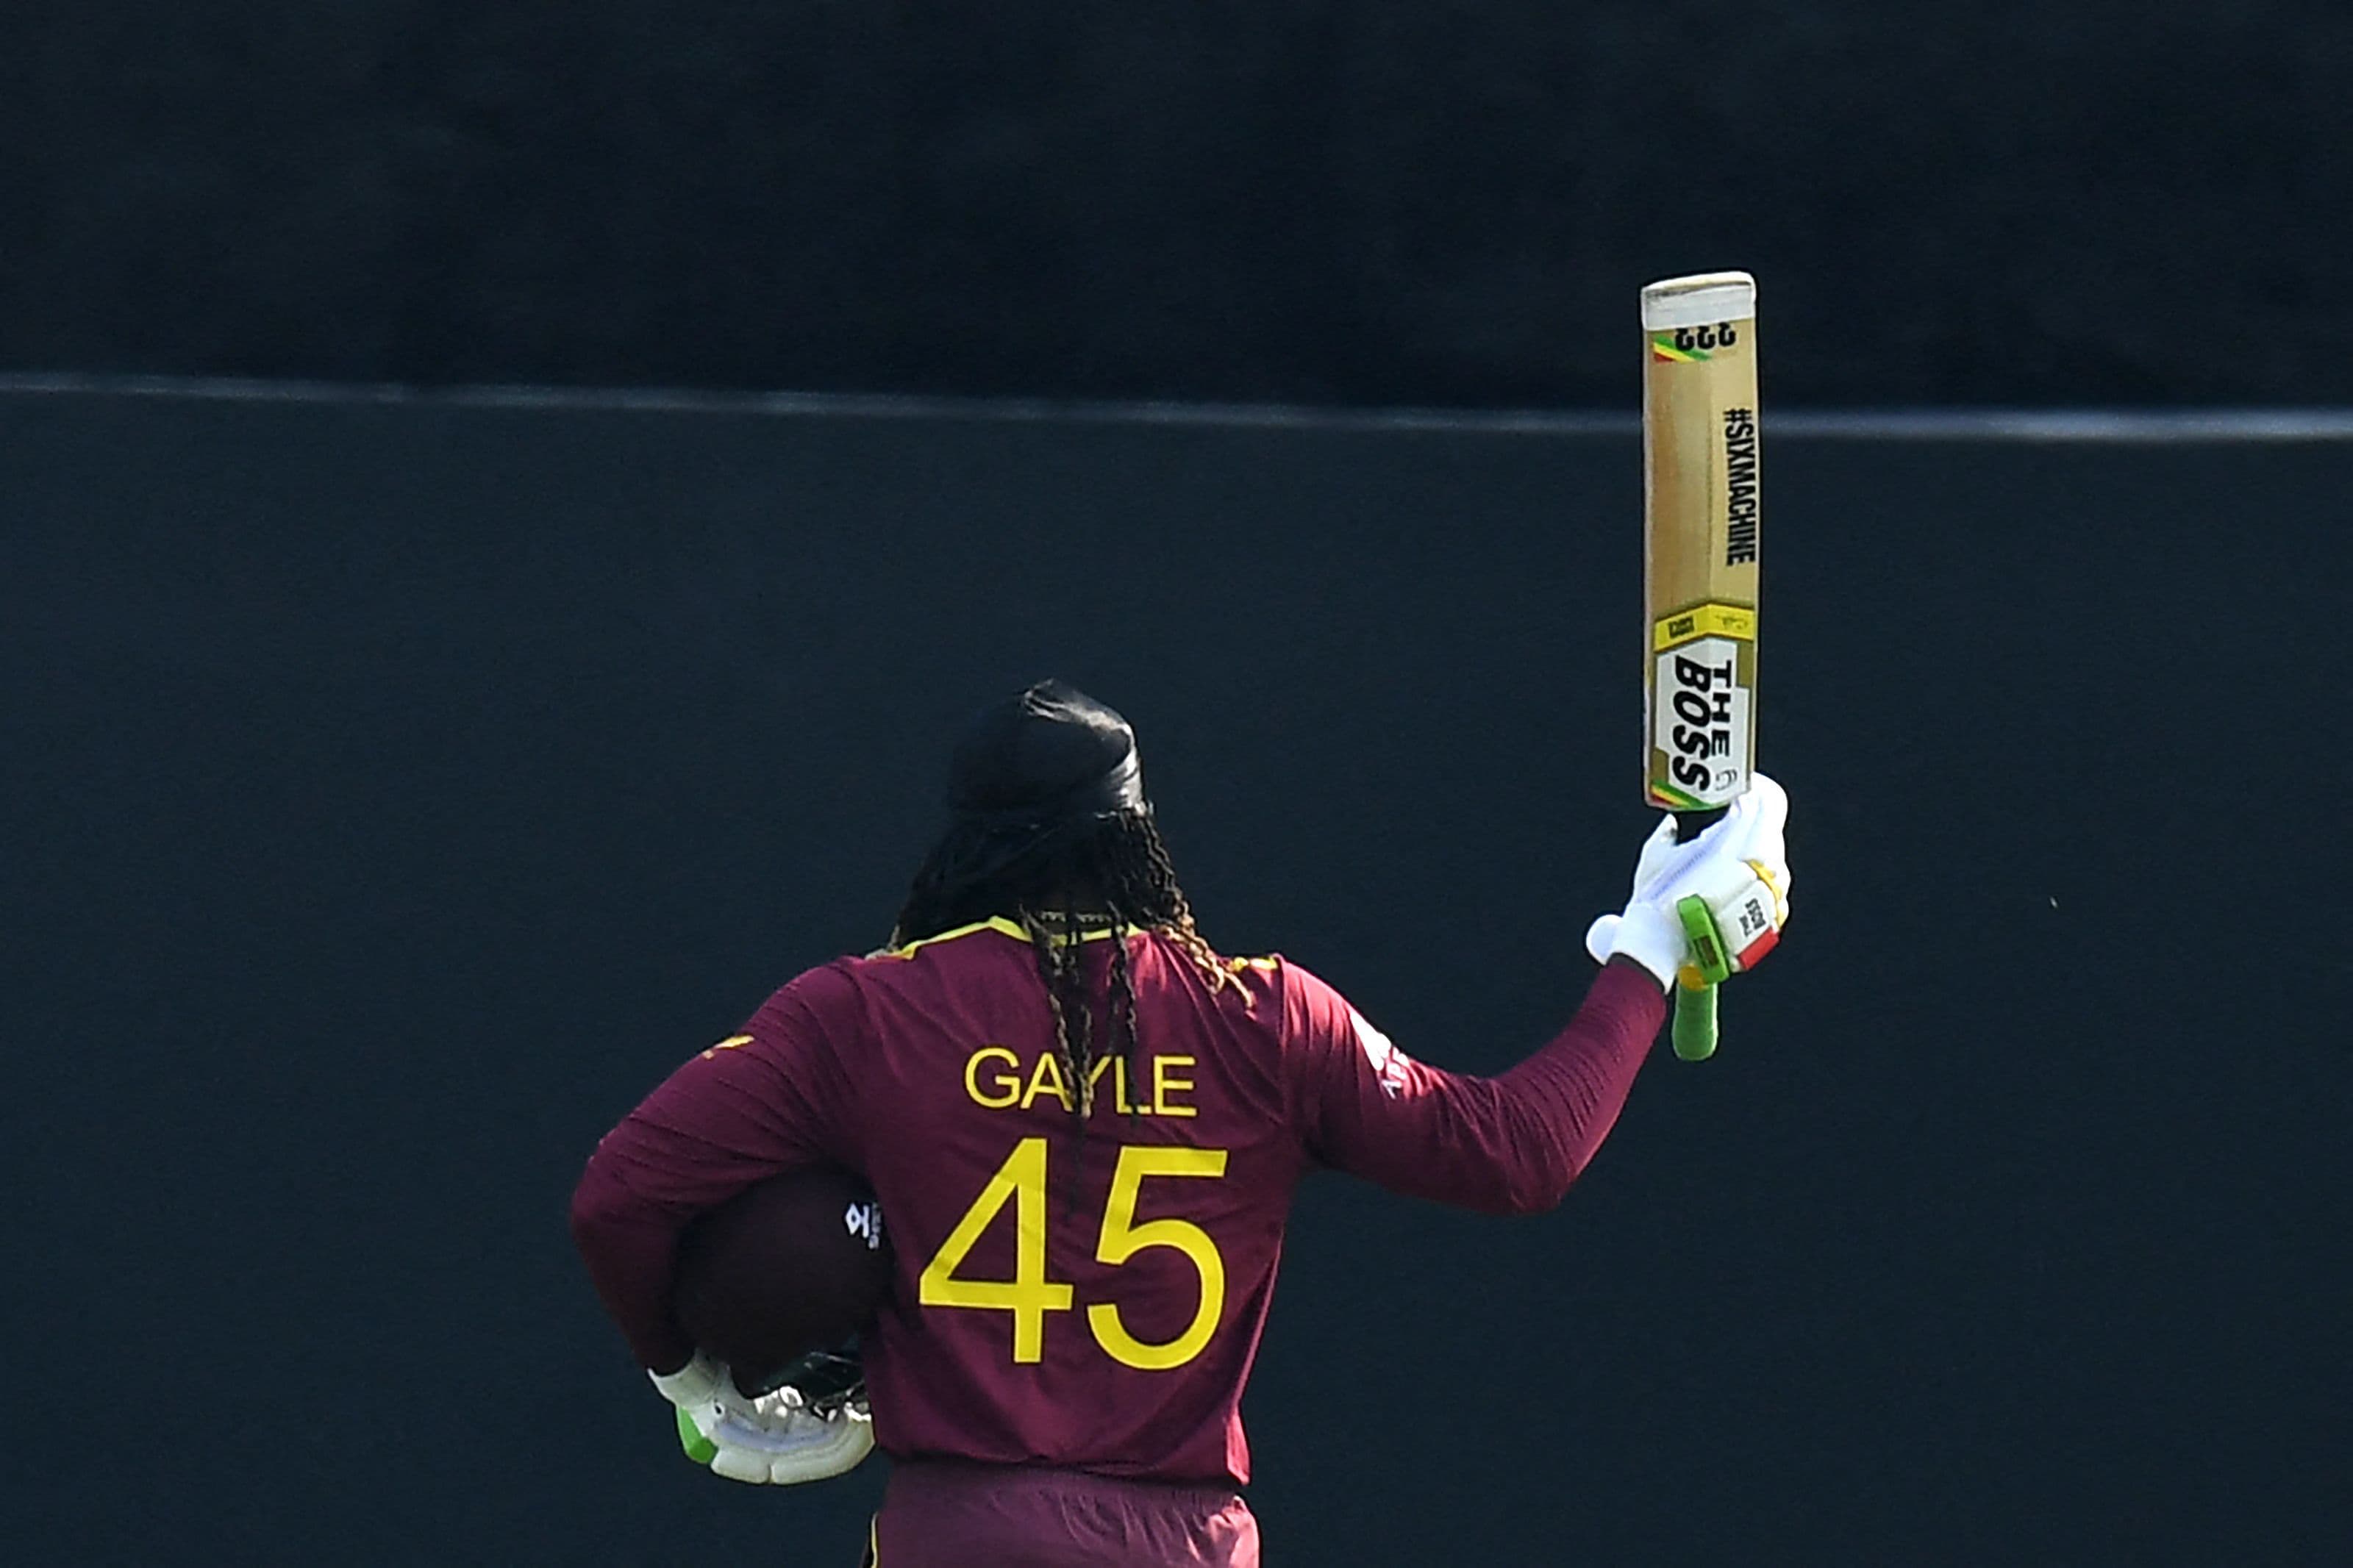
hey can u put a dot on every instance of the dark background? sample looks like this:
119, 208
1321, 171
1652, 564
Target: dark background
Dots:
1381, 200
391, 791
395, 793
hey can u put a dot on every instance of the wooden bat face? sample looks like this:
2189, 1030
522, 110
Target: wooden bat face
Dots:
1700, 505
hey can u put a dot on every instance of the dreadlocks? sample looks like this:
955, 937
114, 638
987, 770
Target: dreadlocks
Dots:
1117, 876
1052, 828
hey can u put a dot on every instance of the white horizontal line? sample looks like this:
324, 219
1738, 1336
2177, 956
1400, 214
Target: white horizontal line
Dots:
2080, 425
2050, 424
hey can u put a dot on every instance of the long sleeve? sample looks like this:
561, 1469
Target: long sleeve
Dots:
1508, 1144
756, 1104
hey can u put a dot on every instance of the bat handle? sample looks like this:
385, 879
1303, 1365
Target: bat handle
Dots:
1695, 1026
1694, 1031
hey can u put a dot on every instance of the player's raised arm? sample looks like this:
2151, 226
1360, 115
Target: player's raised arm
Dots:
1513, 1144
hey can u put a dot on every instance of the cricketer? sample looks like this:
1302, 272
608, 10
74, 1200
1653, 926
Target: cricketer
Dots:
1085, 1126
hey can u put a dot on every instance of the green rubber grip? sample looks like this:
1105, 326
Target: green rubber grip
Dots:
1694, 1031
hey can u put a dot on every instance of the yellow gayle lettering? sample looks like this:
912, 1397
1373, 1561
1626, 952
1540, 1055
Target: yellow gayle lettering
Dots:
1163, 1083
1118, 1069
1008, 1083
1005, 1088
1047, 1068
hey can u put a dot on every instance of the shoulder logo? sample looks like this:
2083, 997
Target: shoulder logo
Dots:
1388, 1061
864, 1221
731, 1043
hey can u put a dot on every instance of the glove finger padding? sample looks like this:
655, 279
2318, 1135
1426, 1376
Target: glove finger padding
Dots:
741, 1465
1658, 859
1601, 936
1755, 828
788, 1446
776, 1439
698, 1380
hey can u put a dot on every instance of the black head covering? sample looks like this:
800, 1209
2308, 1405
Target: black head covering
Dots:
1031, 777
1051, 758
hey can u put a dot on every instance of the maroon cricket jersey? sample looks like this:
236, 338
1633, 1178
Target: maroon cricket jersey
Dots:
1085, 1297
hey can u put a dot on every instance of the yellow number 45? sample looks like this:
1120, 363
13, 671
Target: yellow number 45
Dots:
1029, 1295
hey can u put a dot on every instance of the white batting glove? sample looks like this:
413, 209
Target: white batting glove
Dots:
774, 1440
1739, 867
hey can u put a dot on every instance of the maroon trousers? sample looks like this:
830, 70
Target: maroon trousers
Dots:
941, 1513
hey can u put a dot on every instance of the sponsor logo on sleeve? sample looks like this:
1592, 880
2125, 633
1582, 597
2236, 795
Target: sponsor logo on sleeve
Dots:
1389, 1062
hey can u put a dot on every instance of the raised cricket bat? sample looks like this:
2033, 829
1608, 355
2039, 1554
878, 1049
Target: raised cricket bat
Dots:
1699, 579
